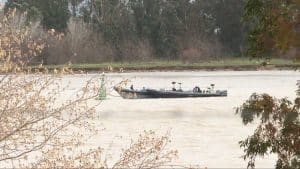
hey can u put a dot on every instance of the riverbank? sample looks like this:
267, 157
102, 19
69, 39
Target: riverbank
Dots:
236, 64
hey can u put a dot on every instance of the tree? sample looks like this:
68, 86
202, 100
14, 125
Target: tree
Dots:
31, 117
54, 14
112, 19
74, 4
166, 34
33, 12
274, 26
227, 22
278, 131
159, 22
37, 123
167, 28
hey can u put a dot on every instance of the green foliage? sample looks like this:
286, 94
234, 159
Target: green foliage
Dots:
278, 131
274, 26
168, 27
54, 14
164, 23
33, 13
227, 16
164, 27
112, 19
75, 7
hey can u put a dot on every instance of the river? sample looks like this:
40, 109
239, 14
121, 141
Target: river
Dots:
205, 131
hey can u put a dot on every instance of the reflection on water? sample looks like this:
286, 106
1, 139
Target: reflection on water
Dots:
204, 130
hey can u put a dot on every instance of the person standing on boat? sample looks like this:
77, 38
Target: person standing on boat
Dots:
173, 89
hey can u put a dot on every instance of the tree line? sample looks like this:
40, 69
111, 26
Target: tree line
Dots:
130, 30
274, 26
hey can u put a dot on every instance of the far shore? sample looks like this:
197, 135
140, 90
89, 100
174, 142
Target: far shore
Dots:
235, 64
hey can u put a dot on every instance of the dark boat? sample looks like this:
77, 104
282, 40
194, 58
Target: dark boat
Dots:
183, 94
132, 94
153, 93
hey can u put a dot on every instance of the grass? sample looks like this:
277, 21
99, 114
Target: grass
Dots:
230, 63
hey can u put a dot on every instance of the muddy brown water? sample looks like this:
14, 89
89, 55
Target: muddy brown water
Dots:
205, 131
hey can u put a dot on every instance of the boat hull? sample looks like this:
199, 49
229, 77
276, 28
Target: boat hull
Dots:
182, 94
132, 94
151, 93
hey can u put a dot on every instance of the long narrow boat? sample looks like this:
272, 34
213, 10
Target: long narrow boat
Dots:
183, 94
153, 93
132, 94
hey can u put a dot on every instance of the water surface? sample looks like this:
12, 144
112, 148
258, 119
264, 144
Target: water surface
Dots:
205, 131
